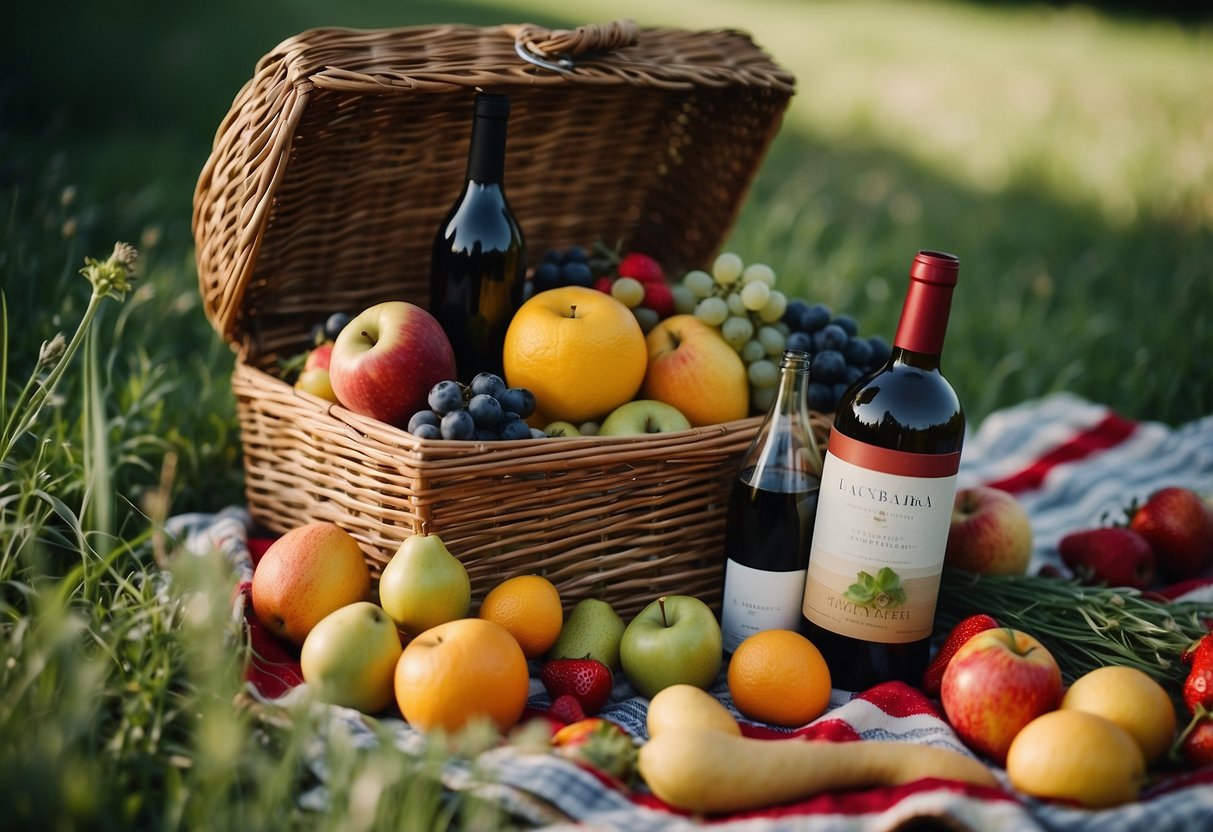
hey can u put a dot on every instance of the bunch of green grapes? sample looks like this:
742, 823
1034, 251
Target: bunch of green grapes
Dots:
743, 303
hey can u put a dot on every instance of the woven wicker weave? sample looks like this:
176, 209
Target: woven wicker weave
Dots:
326, 182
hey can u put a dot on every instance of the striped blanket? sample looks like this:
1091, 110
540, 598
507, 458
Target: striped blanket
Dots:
1069, 462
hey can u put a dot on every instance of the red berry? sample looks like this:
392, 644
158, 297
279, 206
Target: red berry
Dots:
598, 744
1198, 745
962, 632
603, 284
1110, 555
588, 680
642, 267
660, 298
1179, 528
1198, 687
567, 709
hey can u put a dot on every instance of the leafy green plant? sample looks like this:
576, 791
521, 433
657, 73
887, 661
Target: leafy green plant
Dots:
882, 591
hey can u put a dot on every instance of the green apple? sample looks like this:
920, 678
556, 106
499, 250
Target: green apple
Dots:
424, 585
674, 640
592, 629
562, 429
349, 658
641, 416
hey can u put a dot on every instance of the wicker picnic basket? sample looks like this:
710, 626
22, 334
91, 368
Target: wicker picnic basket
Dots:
324, 188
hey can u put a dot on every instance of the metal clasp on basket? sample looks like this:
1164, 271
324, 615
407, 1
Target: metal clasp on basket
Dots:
563, 64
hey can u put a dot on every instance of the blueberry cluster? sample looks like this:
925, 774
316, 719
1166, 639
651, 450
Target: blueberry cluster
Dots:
573, 266
484, 410
840, 355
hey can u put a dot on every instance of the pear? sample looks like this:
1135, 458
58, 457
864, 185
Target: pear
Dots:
424, 585
592, 629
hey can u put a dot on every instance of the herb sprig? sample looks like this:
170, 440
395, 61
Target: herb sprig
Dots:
1084, 627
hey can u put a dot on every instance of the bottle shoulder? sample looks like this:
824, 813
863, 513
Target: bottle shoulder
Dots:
481, 215
904, 408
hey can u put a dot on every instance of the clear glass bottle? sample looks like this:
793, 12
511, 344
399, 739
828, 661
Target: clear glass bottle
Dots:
478, 267
887, 489
770, 514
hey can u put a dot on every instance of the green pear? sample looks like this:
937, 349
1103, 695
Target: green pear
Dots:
592, 629
424, 585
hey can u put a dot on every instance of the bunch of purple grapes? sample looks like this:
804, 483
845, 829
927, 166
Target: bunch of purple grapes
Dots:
573, 266
485, 410
840, 356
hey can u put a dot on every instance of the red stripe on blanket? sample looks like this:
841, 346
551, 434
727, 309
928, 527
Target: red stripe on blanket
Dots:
1109, 432
273, 667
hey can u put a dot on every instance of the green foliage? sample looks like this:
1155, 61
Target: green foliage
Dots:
880, 591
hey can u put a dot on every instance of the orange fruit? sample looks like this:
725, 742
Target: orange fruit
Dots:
528, 606
580, 351
461, 671
779, 677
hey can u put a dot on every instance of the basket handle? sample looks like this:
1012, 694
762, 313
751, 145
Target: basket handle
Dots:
555, 49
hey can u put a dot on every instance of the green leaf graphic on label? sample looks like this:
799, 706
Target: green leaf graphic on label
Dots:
881, 592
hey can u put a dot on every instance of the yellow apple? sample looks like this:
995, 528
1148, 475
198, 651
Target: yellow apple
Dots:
316, 381
306, 574
349, 658
694, 369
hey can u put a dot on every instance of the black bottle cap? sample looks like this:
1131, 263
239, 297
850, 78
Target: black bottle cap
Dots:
492, 105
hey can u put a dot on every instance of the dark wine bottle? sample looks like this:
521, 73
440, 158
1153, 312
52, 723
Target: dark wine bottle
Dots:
770, 514
887, 487
478, 268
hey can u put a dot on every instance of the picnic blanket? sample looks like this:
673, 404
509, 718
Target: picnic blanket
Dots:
1070, 462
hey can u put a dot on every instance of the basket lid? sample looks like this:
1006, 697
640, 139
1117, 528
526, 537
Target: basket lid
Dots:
330, 173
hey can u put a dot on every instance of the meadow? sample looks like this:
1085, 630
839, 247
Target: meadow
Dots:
1061, 152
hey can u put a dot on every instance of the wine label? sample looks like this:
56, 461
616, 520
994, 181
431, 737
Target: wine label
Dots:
756, 600
878, 545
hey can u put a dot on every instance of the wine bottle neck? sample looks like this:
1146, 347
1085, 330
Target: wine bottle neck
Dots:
486, 154
924, 316
785, 437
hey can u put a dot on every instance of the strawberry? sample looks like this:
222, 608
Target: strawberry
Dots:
603, 284
588, 680
962, 632
642, 267
1179, 528
1111, 555
660, 298
567, 709
600, 745
1198, 744
1198, 687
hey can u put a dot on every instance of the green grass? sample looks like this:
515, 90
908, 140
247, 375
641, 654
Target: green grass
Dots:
1062, 154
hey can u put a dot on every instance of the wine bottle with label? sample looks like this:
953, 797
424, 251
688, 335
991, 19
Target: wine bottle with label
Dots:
478, 267
887, 487
770, 514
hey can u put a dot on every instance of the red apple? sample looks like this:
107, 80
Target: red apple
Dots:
990, 533
997, 683
386, 360
318, 357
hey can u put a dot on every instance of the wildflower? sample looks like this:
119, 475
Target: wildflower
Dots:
112, 278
